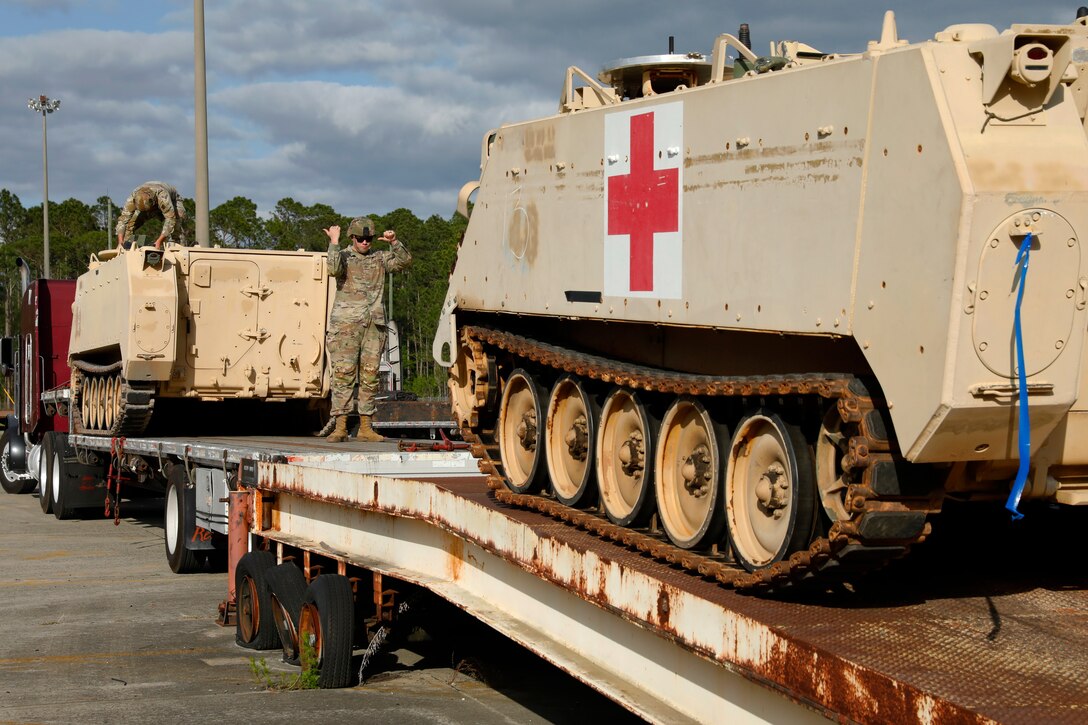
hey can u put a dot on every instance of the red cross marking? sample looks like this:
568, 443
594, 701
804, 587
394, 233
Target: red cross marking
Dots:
643, 202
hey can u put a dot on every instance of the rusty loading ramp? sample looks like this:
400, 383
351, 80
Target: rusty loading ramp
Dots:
965, 646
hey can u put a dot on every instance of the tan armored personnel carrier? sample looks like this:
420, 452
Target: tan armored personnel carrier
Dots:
196, 323
772, 300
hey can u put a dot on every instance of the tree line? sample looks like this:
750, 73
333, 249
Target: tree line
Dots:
77, 230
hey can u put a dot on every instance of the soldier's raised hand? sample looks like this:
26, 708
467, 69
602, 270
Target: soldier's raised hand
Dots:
333, 233
390, 236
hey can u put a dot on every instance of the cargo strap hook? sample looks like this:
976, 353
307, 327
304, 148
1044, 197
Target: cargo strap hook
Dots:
1024, 437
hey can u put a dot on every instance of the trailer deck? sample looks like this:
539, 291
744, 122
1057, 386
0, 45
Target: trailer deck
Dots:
957, 633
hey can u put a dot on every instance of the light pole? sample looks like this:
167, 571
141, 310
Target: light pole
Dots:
200, 124
44, 105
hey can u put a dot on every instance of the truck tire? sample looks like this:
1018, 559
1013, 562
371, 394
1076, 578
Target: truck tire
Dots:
60, 483
11, 485
181, 559
45, 474
288, 586
326, 630
256, 628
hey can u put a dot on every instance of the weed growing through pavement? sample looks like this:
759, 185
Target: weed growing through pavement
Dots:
307, 679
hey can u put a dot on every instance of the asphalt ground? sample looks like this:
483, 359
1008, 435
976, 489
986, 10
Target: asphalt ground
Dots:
97, 629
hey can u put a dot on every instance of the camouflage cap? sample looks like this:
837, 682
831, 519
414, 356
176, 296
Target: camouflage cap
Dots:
361, 227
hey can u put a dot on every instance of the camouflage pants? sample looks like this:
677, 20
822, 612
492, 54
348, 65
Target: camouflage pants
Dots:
354, 350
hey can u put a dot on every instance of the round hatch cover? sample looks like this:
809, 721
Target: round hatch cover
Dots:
1050, 296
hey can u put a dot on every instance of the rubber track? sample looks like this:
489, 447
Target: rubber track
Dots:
841, 552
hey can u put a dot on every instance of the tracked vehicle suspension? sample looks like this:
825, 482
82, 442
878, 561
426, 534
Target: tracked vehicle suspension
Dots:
105, 403
876, 514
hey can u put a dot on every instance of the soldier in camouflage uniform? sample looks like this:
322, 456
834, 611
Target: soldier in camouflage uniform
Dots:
357, 328
151, 200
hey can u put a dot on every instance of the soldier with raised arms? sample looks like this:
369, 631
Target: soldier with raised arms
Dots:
357, 329
151, 200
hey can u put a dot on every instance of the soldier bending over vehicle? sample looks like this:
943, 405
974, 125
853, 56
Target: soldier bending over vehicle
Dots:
151, 200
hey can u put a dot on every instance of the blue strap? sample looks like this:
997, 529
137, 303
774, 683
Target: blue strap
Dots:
1025, 423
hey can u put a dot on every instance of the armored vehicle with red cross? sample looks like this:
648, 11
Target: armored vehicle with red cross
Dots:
762, 316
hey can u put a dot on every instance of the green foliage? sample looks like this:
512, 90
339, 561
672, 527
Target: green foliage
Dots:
295, 226
68, 256
306, 679
70, 218
13, 216
235, 223
420, 291
106, 212
78, 230
310, 675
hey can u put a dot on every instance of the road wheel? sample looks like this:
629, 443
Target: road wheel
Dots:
462, 385
625, 446
60, 483
84, 402
570, 439
256, 628
288, 586
831, 446
688, 462
181, 559
521, 432
473, 385
7, 479
45, 474
770, 491
110, 398
326, 630
94, 390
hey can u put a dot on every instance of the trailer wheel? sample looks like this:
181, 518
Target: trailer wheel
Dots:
256, 628
181, 559
59, 482
45, 474
288, 587
326, 630
11, 484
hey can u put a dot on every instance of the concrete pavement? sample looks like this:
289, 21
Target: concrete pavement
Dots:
96, 628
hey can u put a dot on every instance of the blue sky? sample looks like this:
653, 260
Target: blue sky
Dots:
367, 106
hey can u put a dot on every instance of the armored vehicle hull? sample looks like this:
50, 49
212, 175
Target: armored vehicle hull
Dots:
195, 324
777, 304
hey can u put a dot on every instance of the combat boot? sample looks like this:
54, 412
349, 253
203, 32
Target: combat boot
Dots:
366, 433
340, 433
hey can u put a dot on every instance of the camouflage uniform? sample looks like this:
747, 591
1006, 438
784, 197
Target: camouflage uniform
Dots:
152, 200
357, 328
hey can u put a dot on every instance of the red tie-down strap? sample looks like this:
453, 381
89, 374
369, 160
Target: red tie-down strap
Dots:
114, 478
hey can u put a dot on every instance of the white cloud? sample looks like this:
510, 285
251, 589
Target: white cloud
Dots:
364, 106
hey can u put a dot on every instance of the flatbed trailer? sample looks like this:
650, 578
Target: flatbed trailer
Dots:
938, 640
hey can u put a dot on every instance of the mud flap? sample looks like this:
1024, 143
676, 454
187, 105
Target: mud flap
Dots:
84, 484
16, 445
196, 538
